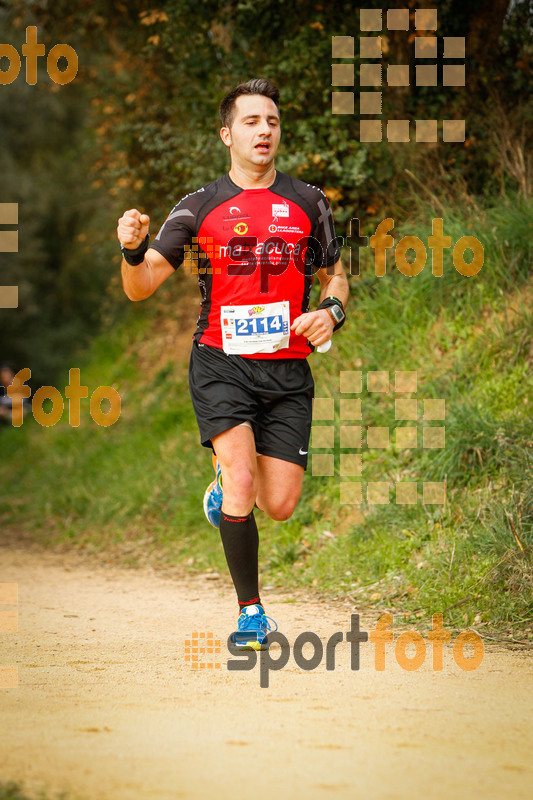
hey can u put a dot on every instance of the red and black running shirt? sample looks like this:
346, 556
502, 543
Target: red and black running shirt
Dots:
253, 246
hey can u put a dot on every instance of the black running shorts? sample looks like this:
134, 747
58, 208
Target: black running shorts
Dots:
274, 395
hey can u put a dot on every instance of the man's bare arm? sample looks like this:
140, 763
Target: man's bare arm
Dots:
335, 285
140, 281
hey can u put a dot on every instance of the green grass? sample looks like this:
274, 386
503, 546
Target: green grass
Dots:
134, 490
14, 791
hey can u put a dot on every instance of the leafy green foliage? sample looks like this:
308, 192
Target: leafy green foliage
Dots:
138, 127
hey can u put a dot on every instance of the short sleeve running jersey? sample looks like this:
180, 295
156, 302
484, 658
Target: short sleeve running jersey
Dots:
252, 247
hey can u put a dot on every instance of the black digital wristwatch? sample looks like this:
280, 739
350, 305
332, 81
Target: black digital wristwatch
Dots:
335, 309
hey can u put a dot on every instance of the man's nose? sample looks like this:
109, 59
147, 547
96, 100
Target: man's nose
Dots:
264, 128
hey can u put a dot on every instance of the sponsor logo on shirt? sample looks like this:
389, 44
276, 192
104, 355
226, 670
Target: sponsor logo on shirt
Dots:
280, 210
270, 248
285, 229
234, 215
241, 228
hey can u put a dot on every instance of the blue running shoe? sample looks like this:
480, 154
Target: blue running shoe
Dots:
213, 497
252, 629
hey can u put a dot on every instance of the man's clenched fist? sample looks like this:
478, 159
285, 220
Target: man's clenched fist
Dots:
132, 228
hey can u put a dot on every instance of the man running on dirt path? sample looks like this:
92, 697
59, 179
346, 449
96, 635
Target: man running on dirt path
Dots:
261, 235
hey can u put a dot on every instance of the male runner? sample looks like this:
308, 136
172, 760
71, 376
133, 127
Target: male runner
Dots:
262, 237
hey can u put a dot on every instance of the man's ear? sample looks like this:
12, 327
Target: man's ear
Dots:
225, 135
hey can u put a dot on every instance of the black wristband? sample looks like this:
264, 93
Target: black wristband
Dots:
333, 301
135, 257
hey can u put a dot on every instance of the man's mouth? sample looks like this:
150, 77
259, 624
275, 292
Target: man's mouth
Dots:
262, 147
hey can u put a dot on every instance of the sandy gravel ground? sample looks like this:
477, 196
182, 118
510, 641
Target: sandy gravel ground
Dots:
108, 707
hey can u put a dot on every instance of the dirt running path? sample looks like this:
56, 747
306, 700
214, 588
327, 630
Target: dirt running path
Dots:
108, 708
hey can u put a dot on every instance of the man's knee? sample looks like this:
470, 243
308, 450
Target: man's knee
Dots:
282, 510
238, 480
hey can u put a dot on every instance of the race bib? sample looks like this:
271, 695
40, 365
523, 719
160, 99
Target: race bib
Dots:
255, 329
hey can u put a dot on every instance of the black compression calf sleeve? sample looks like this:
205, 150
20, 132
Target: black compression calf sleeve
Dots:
241, 546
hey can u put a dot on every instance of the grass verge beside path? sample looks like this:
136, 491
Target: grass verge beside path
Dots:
15, 791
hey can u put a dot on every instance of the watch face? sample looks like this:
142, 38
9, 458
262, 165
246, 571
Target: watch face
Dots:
337, 313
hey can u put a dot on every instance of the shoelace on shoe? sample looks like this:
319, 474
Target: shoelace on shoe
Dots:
254, 617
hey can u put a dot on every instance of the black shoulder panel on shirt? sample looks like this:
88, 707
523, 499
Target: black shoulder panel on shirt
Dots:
291, 188
185, 219
315, 204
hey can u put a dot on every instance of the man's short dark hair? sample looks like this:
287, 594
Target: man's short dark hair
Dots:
254, 86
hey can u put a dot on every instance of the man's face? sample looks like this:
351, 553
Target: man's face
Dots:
255, 133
